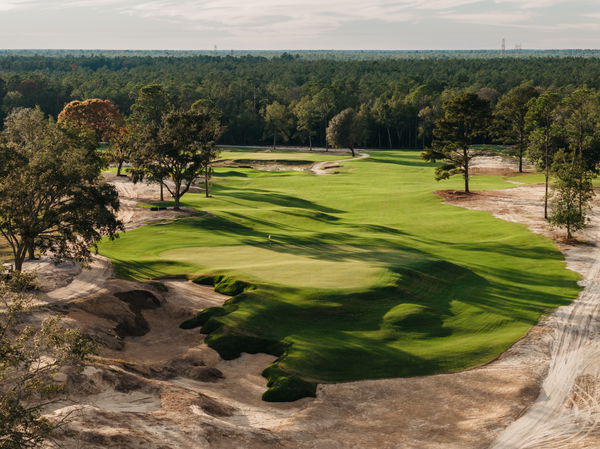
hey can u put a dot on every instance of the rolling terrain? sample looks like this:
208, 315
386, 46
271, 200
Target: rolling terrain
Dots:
364, 274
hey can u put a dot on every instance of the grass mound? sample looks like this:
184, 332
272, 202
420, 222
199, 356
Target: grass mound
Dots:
367, 273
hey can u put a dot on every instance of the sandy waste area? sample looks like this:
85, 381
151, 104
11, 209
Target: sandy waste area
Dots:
155, 386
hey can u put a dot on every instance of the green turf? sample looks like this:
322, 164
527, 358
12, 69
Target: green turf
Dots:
266, 155
528, 178
367, 274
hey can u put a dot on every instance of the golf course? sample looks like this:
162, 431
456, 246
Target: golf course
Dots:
363, 273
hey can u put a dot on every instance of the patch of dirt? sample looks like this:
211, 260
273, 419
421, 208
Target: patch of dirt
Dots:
266, 165
51, 275
130, 195
327, 167
498, 165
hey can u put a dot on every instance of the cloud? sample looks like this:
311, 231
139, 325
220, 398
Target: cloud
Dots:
532, 4
271, 16
273, 23
494, 18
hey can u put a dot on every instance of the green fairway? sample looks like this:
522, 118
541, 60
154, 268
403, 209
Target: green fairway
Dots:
367, 273
265, 155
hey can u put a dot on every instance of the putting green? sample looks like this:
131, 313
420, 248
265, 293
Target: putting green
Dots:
267, 264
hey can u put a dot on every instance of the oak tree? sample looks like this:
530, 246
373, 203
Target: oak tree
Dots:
347, 130
181, 150
52, 196
101, 116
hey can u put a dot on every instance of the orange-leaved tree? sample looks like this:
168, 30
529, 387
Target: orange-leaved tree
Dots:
101, 116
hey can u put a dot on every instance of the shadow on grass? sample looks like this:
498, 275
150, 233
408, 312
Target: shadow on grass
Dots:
231, 174
277, 199
406, 160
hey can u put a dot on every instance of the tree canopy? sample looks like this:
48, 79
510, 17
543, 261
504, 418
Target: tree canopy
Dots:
347, 130
180, 150
464, 122
51, 194
101, 116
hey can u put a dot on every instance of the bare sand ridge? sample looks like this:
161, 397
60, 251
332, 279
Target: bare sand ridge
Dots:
157, 386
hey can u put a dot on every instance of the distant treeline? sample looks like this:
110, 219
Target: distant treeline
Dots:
398, 94
319, 54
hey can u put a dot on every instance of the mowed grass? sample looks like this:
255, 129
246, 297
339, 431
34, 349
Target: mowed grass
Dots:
282, 155
368, 274
255, 263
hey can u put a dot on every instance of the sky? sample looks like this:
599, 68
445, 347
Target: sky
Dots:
299, 24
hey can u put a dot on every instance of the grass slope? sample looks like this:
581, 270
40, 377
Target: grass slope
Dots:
368, 274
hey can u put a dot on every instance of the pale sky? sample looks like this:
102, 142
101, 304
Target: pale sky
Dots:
296, 24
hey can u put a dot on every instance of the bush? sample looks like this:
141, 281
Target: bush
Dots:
201, 318
285, 387
18, 281
231, 347
224, 284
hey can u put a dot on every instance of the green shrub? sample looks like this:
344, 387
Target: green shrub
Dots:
231, 347
223, 284
201, 318
285, 387
19, 281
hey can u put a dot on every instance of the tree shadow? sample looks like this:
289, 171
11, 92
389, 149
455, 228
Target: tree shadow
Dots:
406, 160
277, 199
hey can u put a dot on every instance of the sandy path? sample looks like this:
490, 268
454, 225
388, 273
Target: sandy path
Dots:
324, 168
565, 413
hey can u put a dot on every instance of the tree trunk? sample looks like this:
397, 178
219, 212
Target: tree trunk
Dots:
206, 185
162, 192
119, 168
310, 142
19, 255
177, 194
275, 141
389, 138
546, 195
466, 174
31, 251
547, 182
521, 161
352, 150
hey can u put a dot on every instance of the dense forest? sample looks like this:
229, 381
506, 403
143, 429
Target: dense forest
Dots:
399, 95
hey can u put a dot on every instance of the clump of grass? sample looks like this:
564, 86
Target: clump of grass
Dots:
284, 387
226, 285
